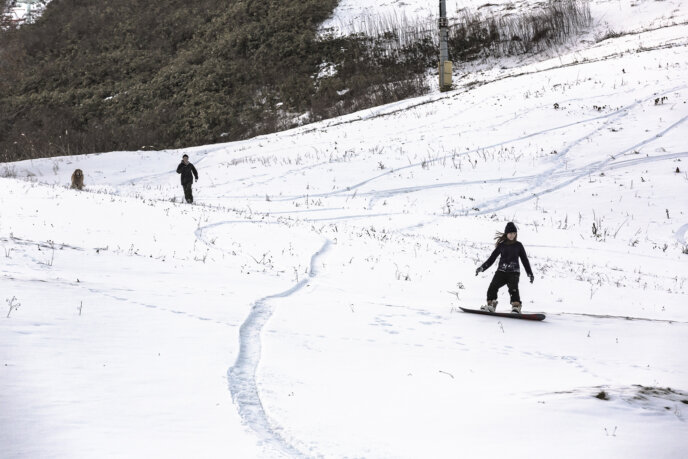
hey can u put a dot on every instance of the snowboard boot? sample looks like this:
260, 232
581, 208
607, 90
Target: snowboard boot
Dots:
516, 307
490, 306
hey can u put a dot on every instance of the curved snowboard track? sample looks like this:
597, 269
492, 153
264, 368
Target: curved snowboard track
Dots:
242, 376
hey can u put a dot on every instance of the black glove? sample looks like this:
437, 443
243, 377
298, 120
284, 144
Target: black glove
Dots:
479, 270
532, 278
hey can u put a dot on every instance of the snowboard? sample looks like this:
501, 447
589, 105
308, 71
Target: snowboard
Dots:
510, 315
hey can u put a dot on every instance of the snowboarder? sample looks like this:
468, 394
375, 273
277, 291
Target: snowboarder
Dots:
188, 172
508, 271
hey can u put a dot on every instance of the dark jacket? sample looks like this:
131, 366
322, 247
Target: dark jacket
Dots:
510, 253
188, 172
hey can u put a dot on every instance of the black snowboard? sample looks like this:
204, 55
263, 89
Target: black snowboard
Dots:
510, 315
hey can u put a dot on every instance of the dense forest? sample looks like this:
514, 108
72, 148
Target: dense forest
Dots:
133, 74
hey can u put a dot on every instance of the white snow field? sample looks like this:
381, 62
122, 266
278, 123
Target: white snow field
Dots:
307, 304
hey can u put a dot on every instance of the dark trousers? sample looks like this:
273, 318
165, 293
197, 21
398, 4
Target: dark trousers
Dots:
501, 279
188, 194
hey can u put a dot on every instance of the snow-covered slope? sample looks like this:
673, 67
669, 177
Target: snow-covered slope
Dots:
307, 304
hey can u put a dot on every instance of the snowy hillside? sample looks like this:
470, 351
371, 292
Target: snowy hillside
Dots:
307, 304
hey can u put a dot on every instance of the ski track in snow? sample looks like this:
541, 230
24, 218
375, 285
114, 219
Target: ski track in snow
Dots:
538, 180
517, 115
607, 316
547, 176
497, 204
242, 376
618, 113
380, 194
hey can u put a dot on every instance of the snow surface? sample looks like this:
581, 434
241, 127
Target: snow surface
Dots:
23, 11
307, 305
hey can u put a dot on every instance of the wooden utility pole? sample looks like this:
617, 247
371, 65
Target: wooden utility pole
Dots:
445, 63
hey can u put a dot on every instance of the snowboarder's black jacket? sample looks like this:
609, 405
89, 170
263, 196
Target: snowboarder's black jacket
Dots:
510, 252
188, 172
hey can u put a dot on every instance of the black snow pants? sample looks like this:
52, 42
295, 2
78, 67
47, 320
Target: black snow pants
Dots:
188, 194
501, 279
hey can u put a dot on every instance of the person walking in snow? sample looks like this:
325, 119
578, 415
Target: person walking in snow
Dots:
188, 172
508, 270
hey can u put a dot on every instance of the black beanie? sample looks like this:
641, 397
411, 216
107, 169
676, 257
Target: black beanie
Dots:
510, 228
